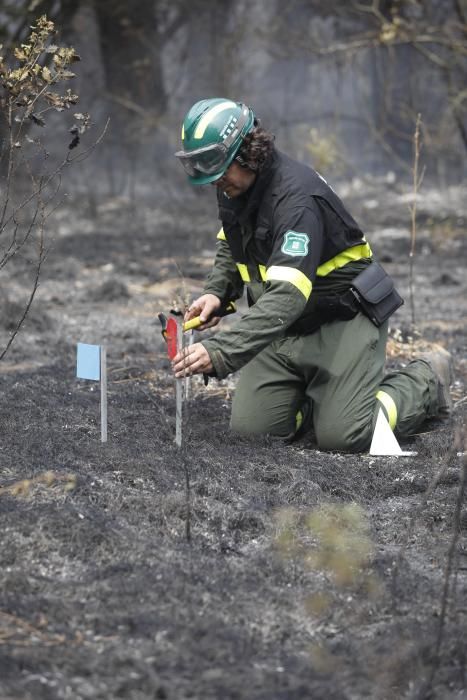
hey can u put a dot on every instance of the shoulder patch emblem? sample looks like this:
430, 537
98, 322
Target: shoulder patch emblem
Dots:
295, 243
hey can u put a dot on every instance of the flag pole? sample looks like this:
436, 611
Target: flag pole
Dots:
103, 357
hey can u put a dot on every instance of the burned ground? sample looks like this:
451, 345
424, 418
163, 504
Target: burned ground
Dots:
283, 572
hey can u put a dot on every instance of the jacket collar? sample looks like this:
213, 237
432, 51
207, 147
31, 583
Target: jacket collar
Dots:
256, 193
246, 206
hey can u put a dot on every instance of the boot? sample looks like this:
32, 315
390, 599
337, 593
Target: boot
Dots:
440, 361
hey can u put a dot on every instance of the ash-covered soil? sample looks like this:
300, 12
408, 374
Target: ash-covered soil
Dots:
232, 568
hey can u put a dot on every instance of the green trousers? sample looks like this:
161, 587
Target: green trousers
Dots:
334, 380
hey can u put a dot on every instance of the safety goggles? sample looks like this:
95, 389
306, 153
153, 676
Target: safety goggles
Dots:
210, 160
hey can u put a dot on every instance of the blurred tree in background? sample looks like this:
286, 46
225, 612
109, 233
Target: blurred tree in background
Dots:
412, 56
339, 82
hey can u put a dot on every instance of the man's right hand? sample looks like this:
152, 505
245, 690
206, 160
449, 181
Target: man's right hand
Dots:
205, 307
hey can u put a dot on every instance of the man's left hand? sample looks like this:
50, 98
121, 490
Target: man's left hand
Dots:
192, 360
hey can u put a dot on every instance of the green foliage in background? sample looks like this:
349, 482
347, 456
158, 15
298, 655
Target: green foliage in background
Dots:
333, 540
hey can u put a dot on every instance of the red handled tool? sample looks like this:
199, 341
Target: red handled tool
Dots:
169, 326
169, 333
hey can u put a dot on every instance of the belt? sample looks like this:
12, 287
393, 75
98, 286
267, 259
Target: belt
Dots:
335, 307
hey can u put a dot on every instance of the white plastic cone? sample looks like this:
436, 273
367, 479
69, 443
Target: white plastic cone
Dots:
384, 441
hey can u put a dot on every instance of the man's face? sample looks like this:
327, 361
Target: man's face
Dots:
236, 180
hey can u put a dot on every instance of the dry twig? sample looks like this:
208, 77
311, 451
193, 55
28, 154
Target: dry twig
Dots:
416, 182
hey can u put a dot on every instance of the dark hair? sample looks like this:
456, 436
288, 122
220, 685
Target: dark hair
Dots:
256, 149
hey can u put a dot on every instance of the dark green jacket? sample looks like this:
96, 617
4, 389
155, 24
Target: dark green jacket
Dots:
290, 241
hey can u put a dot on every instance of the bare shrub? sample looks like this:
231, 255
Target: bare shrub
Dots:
32, 86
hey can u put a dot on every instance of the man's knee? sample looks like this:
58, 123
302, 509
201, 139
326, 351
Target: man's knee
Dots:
342, 438
261, 423
243, 427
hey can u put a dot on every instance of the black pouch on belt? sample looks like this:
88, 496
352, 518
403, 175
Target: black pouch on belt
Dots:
375, 293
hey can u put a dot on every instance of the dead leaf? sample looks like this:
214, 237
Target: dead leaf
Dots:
46, 75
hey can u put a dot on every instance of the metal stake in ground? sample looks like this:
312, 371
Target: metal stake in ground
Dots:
172, 332
179, 393
191, 340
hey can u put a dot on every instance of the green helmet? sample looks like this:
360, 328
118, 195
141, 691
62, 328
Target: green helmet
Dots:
212, 134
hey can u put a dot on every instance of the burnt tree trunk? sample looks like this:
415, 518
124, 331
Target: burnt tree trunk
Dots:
130, 45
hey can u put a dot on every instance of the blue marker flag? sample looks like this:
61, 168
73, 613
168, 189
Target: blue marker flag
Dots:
88, 361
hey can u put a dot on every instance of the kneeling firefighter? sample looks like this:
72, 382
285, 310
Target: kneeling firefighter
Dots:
312, 345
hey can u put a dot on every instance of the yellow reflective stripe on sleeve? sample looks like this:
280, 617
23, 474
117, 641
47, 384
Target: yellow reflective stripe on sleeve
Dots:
183, 131
221, 235
243, 270
389, 406
292, 275
207, 118
298, 420
262, 272
357, 252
